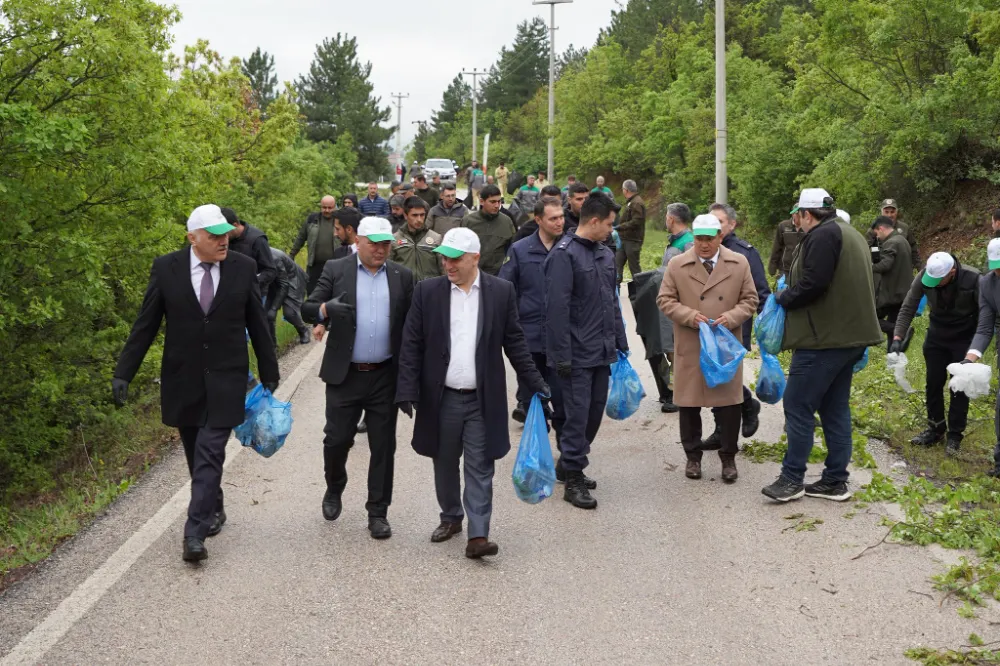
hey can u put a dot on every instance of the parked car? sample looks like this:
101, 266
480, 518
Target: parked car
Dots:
444, 168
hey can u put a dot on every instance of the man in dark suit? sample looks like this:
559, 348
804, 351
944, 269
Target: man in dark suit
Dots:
363, 301
208, 295
451, 369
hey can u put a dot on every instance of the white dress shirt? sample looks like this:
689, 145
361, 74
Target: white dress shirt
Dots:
197, 273
464, 324
714, 260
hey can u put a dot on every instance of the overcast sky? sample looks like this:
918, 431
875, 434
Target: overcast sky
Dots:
414, 47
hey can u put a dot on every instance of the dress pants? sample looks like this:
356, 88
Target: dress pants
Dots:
463, 433
661, 375
630, 251
744, 406
373, 392
937, 356
205, 450
584, 396
728, 421
314, 272
887, 315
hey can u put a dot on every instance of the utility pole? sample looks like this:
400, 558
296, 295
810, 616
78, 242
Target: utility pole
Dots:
552, 78
474, 73
399, 122
721, 133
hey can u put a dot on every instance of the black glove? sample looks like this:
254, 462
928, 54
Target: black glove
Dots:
544, 392
119, 391
964, 361
406, 407
270, 386
896, 347
876, 254
564, 370
336, 307
272, 314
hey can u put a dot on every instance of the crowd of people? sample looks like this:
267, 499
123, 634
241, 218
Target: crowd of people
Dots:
421, 295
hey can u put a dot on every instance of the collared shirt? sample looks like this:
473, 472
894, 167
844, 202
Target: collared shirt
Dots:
197, 273
464, 326
714, 260
371, 335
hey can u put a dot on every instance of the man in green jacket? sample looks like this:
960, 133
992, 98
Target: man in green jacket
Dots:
631, 231
786, 239
317, 234
413, 246
830, 320
495, 230
892, 265
425, 191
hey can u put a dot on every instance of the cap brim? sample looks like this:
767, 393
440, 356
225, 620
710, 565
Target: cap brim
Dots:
379, 238
994, 264
449, 252
219, 229
929, 281
704, 232
793, 211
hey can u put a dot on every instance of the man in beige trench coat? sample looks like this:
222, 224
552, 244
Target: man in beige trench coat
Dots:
707, 282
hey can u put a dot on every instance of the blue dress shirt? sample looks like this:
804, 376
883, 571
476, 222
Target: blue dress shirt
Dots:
371, 336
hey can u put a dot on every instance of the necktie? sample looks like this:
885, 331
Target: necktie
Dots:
709, 265
207, 288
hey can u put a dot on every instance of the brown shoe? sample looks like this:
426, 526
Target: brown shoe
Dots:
480, 547
445, 531
693, 469
729, 473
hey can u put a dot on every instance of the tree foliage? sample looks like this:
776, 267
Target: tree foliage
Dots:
520, 70
259, 70
455, 98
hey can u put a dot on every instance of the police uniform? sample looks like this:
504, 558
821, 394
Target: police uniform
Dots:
583, 331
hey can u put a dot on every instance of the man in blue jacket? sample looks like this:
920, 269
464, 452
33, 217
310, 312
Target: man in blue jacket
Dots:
523, 268
583, 333
373, 205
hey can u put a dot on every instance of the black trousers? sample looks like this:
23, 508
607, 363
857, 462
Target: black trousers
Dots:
744, 406
373, 392
205, 450
937, 356
661, 375
583, 398
887, 315
728, 420
629, 252
314, 272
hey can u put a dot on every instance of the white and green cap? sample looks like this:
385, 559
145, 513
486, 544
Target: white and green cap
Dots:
375, 229
706, 225
210, 218
813, 197
993, 253
939, 265
459, 241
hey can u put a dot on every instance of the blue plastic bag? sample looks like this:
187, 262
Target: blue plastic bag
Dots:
860, 365
770, 326
267, 422
626, 390
770, 379
921, 305
780, 284
534, 473
721, 354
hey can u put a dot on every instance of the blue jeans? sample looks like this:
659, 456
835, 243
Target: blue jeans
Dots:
819, 380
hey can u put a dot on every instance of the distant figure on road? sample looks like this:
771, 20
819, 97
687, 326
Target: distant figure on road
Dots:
631, 231
476, 180
541, 181
786, 239
527, 195
362, 300
318, 237
448, 212
287, 293
209, 296
396, 216
350, 200
602, 189
451, 370
429, 194
373, 204
502, 173
893, 269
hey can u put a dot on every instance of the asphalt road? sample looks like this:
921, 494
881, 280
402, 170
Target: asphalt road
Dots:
665, 571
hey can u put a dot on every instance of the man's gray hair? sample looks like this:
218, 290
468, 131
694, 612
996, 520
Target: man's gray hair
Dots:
630, 185
727, 209
396, 200
680, 211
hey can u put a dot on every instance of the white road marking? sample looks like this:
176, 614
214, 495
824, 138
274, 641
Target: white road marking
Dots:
45, 635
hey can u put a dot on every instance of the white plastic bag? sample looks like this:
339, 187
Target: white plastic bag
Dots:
896, 363
972, 379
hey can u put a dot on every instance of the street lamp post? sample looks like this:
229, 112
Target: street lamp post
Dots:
552, 77
721, 133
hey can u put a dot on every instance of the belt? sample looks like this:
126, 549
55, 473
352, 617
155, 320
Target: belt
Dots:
460, 391
368, 367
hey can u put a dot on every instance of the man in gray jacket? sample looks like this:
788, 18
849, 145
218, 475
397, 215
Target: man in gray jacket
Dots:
447, 213
287, 292
989, 305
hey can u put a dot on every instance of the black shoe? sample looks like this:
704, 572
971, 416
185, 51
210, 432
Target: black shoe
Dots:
784, 490
194, 549
363, 426
751, 418
332, 506
220, 520
379, 527
667, 406
577, 493
928, 437
445, 531
304, 337
831, 490
953, 444
520, 414
906, 339
561, 476
713, 442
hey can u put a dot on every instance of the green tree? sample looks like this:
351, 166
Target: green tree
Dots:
520, 70
336, 97
259, 69
456, 96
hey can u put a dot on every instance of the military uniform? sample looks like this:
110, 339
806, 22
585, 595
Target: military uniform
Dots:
786, 239
415, 250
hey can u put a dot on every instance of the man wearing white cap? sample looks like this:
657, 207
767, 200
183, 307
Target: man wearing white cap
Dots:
830, 319
712, 284
362, 299
208, 296
451, 370
989, 306
952, 292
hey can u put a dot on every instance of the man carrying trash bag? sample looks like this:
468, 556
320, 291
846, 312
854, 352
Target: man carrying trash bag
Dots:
952, 292
989, 306
709, 284
830, 320
209, 297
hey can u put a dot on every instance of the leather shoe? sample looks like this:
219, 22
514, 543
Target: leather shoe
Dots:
480, 547
363, 426
751, 418
194, 549
304, 337
379, 527
220, 520
713, 442
445, 531
729, 472
332, 506
520, 413
693, 469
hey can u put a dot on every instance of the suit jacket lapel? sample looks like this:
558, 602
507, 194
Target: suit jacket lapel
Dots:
484, 311
444, 299
351, 269
721, 271
182, 269
395, 292
225, 281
